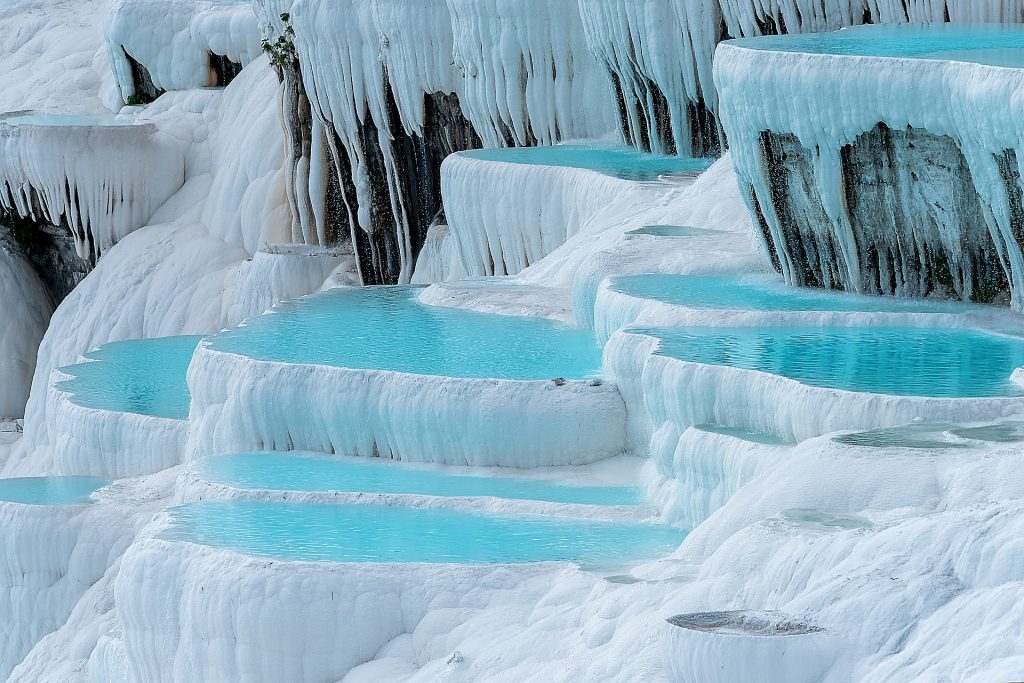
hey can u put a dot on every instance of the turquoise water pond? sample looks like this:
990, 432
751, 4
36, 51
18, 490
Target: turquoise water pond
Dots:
997, 45
282, 471
768, 293
49, 490
144, 376
371, 533
386, 328
887, 360
619, 162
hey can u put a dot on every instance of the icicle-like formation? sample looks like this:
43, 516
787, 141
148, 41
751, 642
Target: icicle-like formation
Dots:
503, 217
416, 43
101, 181
659, 55
821, 141
26, 314
383, 112
530, 78
159, 45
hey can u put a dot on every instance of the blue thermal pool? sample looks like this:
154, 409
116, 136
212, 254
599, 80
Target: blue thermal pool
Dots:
619, 162
281, 471
996, 45
768, 293
743, 435
144, 376
932, 436
924, 436
1006, 432
36, 119
903, 361
386, 328
371, 533
49, 490
673, 231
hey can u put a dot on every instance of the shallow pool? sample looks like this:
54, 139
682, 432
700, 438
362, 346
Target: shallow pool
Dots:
619, 162
281, 471
673, 231
922, 436
941, 435
49, 490
887, 360
144, 376
386, 328
992, 44
370, 533
37, 119
743, 435
768, 293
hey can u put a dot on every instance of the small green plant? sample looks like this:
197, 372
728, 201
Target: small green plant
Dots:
138, 99
282, 51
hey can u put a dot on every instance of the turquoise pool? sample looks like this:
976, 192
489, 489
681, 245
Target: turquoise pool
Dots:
49, 490
997, 45
386, 328
619, 162
370, 533
768, 293
281, 471
903, 361
144, 376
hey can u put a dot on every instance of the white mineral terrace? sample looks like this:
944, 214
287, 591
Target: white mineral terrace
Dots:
828, 91
607, 439
100, 178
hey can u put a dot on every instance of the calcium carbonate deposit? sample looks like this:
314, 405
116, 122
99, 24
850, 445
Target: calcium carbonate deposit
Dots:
404, 341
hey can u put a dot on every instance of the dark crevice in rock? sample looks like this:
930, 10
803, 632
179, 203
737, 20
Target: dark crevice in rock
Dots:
142, 82
222, 70
51, 251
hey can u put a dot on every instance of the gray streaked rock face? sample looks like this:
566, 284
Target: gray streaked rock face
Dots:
50, 249
401, 201
911, 221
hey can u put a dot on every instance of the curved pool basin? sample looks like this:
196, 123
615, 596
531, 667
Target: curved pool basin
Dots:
143, 376
378, 534
768, 293
991, 44
49, 490
387, 328
625, 163
899, 361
